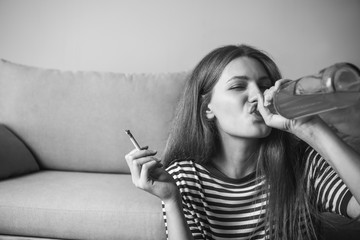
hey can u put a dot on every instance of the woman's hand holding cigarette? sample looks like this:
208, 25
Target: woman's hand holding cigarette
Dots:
147, 174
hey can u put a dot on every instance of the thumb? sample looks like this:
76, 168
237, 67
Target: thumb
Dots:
271, 119
264, 111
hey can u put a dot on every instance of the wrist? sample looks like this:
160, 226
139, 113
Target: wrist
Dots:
173, 202
313, 131
307, 129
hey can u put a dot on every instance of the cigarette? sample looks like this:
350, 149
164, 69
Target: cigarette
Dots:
137, 146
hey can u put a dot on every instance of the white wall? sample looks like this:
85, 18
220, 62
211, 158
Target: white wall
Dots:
168, 35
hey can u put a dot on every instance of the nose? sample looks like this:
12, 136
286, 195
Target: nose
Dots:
254, 91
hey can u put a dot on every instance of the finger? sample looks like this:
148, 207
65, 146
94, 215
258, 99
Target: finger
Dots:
271, 119
143, 160
281, 82
145, 178
135, 154
268, 116
157, 171
143, 153
269, 93
129, 157
133, 151
264, 111
268, 96
137, 167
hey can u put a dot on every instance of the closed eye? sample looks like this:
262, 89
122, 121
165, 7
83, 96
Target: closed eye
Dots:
238, 87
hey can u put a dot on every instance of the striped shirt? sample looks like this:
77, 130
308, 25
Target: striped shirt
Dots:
218, 207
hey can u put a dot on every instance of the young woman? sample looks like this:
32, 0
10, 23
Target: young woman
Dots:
235, 170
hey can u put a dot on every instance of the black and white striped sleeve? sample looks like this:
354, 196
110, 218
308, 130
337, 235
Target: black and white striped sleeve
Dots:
185, 178
327, 189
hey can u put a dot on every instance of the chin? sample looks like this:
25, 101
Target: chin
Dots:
263, 132
258, 132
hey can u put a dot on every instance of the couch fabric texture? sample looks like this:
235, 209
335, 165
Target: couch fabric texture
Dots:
62, 144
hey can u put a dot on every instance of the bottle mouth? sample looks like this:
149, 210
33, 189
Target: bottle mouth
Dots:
340, 77
347, 80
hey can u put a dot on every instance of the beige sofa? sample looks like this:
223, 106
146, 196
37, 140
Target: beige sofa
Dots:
63, 172
62, 146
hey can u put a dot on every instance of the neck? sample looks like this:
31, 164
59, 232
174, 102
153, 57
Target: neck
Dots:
237, 157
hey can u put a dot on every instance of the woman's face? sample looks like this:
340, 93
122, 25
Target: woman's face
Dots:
234, 99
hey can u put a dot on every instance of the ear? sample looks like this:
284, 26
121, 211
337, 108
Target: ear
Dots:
209, 113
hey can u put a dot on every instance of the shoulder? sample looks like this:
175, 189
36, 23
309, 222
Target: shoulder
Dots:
317, 169
186, 170
185, 166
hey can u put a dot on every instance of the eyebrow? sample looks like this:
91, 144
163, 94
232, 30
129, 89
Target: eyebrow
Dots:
244, 77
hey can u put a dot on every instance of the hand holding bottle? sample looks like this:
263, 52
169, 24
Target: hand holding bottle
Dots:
273, 119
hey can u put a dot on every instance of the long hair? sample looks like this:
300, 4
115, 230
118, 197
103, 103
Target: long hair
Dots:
193, 136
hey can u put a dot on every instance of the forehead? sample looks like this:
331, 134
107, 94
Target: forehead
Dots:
244, 66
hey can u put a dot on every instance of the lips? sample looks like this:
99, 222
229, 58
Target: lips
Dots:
255, 112
253, 108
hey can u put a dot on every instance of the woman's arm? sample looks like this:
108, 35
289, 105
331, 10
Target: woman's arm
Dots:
147, 174
342, 158
175, 219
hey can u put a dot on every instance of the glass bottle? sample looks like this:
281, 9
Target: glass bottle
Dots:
334, 87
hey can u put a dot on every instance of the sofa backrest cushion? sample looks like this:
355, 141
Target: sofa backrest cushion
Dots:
76, 120
15, 157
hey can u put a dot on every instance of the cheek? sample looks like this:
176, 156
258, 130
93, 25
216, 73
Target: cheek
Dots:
228, 105
231, 117
229, 112
243, 128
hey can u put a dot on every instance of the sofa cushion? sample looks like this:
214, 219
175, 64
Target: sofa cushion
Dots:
76, 120
74, 205
15, 157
